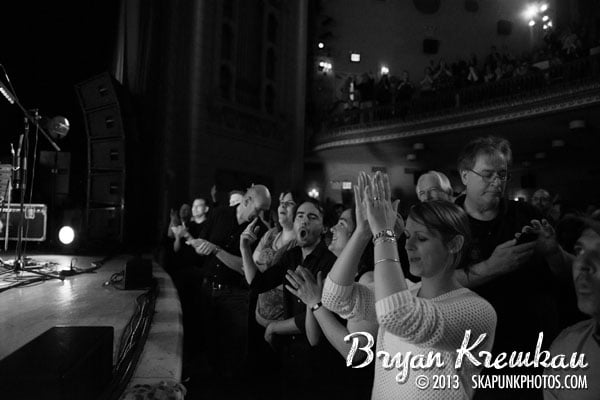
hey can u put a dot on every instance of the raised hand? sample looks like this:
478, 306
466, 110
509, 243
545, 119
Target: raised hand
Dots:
362, 224
381, 213
302, 284
248, 236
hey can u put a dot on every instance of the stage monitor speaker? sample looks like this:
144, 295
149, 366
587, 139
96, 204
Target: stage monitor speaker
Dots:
431, 46
34, 223
107, 188
104, 123
98, 91
104, 223
107, 154
504, 27
65, 362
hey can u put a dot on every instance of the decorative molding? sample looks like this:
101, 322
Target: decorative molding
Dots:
513, 110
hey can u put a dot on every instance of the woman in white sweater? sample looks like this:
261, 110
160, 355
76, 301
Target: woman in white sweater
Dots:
430, 317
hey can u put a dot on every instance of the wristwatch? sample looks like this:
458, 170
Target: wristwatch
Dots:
386, 233
316, 306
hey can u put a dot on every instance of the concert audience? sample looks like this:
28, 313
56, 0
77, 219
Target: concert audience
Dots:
420, 318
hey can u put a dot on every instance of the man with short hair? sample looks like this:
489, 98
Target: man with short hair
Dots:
224, 290
517, 279
543, 202
583, 337
434, 185
301, 375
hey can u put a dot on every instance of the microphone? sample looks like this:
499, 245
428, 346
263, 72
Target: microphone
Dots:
7, 94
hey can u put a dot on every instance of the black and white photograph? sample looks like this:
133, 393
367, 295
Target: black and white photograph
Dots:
300, 199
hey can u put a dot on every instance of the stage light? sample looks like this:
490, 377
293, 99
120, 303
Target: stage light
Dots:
531, 11
531, 23
550, 24
543, 7
321, 45
545, 18
545, 27
385, 70
355, 57
66, 235
314, 193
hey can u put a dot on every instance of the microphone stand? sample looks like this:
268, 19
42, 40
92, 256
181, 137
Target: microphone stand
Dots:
20, 264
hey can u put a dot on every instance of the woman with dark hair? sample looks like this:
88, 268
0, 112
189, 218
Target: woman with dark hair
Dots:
268, 306
426, 318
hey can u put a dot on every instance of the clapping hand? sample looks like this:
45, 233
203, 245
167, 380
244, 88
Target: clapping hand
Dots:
381, 213
302, 284
202, 247
362, 224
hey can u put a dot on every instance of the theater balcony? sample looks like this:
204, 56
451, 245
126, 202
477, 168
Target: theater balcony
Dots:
543, 91
550, 115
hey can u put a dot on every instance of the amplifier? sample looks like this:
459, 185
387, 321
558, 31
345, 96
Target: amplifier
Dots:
34, 223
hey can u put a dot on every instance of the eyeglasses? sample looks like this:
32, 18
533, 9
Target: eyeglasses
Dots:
489, 176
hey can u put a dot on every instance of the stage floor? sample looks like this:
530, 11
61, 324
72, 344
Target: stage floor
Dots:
85, 299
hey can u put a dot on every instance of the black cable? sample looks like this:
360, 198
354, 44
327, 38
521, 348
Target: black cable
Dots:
132, 343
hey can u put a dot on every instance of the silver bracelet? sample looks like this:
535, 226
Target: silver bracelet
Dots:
387, 259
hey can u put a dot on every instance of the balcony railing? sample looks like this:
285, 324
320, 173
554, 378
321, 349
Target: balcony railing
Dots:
563, 78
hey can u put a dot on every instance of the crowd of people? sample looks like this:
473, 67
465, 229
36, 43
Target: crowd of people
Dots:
443, 77
278, 309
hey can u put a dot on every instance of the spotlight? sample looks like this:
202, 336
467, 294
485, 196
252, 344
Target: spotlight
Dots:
321, 45
531, 22
385, 70
545, 27
314, 193
66, 235
550, 24
531, 11
545, 18
543, 7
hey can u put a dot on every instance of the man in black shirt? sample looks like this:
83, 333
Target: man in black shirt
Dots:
224, 290
300, 361
519, 280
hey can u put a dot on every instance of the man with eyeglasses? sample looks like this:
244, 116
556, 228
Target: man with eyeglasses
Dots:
519, 280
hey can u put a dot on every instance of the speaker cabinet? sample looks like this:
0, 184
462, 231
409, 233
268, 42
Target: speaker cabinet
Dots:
98, 91
105, 122
105, 224
107, 154
106, 188
504, 27
431, 46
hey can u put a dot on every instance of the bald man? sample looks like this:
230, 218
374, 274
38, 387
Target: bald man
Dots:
224, 290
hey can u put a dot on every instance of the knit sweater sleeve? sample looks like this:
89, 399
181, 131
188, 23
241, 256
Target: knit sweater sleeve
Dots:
439, 323
354, 302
